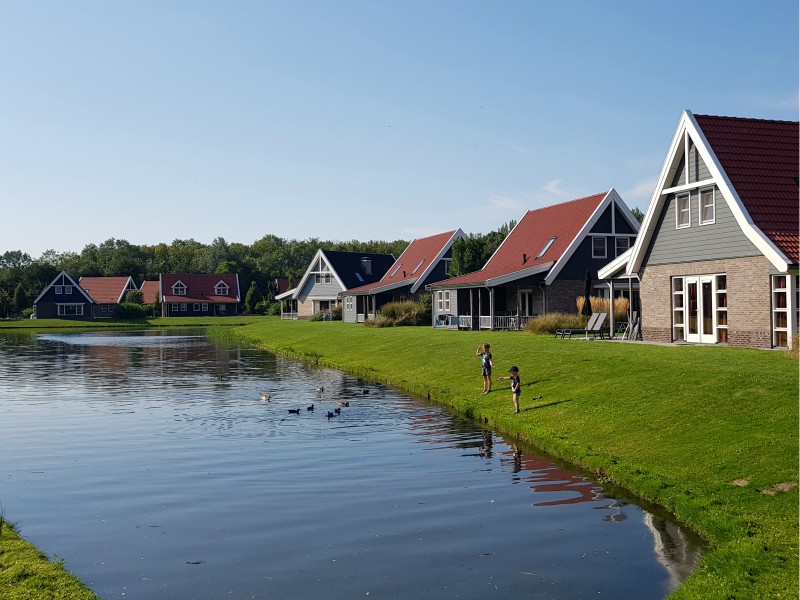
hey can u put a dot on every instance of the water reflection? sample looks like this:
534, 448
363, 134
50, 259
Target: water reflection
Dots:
162, 447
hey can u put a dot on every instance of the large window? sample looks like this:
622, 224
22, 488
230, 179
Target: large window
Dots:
443, 301
700, 308
322, 278
683, 217
780, 310
70, 310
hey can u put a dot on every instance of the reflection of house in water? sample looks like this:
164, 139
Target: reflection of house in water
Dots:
676, 553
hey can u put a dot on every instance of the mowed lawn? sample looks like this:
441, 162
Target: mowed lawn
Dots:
710, 433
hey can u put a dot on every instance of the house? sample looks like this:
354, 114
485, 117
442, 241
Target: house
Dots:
189, 295
63, 298
540, 267
423, 262
717, 254
329, 273
107, 292
151, 292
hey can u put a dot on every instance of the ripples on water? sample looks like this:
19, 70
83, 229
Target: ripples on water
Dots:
150, 464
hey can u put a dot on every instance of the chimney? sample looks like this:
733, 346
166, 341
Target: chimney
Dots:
366, 264
524, 258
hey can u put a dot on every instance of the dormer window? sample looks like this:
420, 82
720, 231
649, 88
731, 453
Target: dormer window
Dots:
546, 247
179, 289
221, 289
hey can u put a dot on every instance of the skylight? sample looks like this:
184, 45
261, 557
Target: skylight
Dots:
418, 266
396, 270
546, 247
359, 277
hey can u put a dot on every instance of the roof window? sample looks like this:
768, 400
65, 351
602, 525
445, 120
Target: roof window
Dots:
418, 266
546, 247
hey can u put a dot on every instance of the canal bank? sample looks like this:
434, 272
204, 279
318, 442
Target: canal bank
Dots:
709, 433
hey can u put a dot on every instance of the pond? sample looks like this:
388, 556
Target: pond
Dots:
149, 462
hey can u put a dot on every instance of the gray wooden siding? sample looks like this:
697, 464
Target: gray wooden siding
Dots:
721, 239
698, 171
319, 290
349, 316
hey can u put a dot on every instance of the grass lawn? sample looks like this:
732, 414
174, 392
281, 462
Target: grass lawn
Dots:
709, 433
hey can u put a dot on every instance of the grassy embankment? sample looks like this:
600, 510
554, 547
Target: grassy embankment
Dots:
709, 433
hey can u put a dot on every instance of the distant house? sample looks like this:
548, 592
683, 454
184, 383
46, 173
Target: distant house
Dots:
151, 292
107, 292
185, 295
63, 298
541, 266
424, 261
329, 273
717, 255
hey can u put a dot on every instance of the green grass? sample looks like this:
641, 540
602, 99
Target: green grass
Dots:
26, 574
677, 426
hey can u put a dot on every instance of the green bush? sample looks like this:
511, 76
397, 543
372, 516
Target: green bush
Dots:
549, 323
397, 314
26, 313
265, 307
131, 310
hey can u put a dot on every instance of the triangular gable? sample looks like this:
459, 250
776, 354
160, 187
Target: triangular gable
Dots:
320, 262
688, 129
59, 280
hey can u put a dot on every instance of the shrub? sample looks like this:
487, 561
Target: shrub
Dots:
27, 312
403, 313
549, 323
598, 304
131, 310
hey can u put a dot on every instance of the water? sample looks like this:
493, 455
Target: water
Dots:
148, 462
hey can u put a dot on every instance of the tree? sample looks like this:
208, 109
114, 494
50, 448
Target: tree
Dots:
21, 299
638, 214
134, 297
252, 298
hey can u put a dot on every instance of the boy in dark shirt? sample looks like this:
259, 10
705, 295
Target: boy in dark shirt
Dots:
515, 386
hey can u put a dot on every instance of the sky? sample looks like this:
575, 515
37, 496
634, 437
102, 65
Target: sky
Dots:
156, 120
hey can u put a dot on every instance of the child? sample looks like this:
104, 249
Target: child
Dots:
515, 386
486, 366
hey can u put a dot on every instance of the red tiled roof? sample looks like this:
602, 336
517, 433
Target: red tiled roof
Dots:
200, 287
412, 263
760, 158
520, 249
150, 291
104, 290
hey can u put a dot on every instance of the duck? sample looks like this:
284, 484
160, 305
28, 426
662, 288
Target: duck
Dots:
365, 392
265, 397
343, 403
294, 411
330, 414
320, 388
310, 408
337, 410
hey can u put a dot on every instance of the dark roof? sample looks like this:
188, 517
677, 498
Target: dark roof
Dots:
760, 158
349, 266
200, 287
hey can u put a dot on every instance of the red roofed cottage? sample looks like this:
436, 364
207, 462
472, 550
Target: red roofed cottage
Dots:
717, 254
185, 295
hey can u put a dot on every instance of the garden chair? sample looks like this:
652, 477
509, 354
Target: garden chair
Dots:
568, 332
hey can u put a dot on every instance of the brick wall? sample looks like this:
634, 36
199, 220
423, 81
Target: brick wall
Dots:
749, 303
562, 295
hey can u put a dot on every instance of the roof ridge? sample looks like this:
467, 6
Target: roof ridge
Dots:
747, 119
568, 201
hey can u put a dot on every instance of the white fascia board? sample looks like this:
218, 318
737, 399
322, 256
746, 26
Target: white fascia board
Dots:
615, 266
495, 281
459, 234
72, 281
320, 254
286, 294
338, 279
129, 285
581, 235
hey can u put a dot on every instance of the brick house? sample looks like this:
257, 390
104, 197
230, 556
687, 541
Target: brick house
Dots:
540, 267
717, 253
424, 261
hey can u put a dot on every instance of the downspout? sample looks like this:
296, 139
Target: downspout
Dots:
611, 329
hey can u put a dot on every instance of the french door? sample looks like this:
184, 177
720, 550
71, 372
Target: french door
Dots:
700, 309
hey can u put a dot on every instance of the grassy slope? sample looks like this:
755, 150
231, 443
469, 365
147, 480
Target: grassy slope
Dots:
675, 425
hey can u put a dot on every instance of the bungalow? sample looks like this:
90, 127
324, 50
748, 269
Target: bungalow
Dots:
717, 256
185, 295
329, 273
107, 292
540, 267
63, 298
423, 262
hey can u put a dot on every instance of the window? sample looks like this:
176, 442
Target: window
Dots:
440, 302
418, 266
598, 247
780, 310
67, 289
322, 278
397, 268
547, 247
70, 310
678, 325
59, 289
447, 266
622, 244
174, 307
447, 301
348, 303
204, 307
359, 277
707, 215
196, 307
722, 308
179, 289
682, 211
222, 289
184, 307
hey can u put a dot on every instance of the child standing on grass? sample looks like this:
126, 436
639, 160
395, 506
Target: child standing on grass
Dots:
515, 386
486, 366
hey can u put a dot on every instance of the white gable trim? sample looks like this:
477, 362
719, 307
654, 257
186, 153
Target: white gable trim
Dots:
458, 234
612, 198
517, 275
688, 126
320, 255
129, 285
72, 282
616, 267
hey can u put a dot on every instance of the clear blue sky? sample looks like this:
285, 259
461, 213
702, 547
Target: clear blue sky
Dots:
153, 120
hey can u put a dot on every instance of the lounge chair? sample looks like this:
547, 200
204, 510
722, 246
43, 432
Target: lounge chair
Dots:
568, 332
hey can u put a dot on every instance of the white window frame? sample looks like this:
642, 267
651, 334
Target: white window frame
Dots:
547, 247
683, 211
701, 204
440, 301
179, 289
348, 303
595, 254
62, 310
786, 293
68, 289
447, 301
196, 307
184, 307
222, 289
59, 290
174, 307
204, 306
617, 240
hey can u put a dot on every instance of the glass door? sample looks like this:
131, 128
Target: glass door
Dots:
700, 309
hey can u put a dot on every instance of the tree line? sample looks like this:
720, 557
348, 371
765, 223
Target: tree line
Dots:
259, 265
